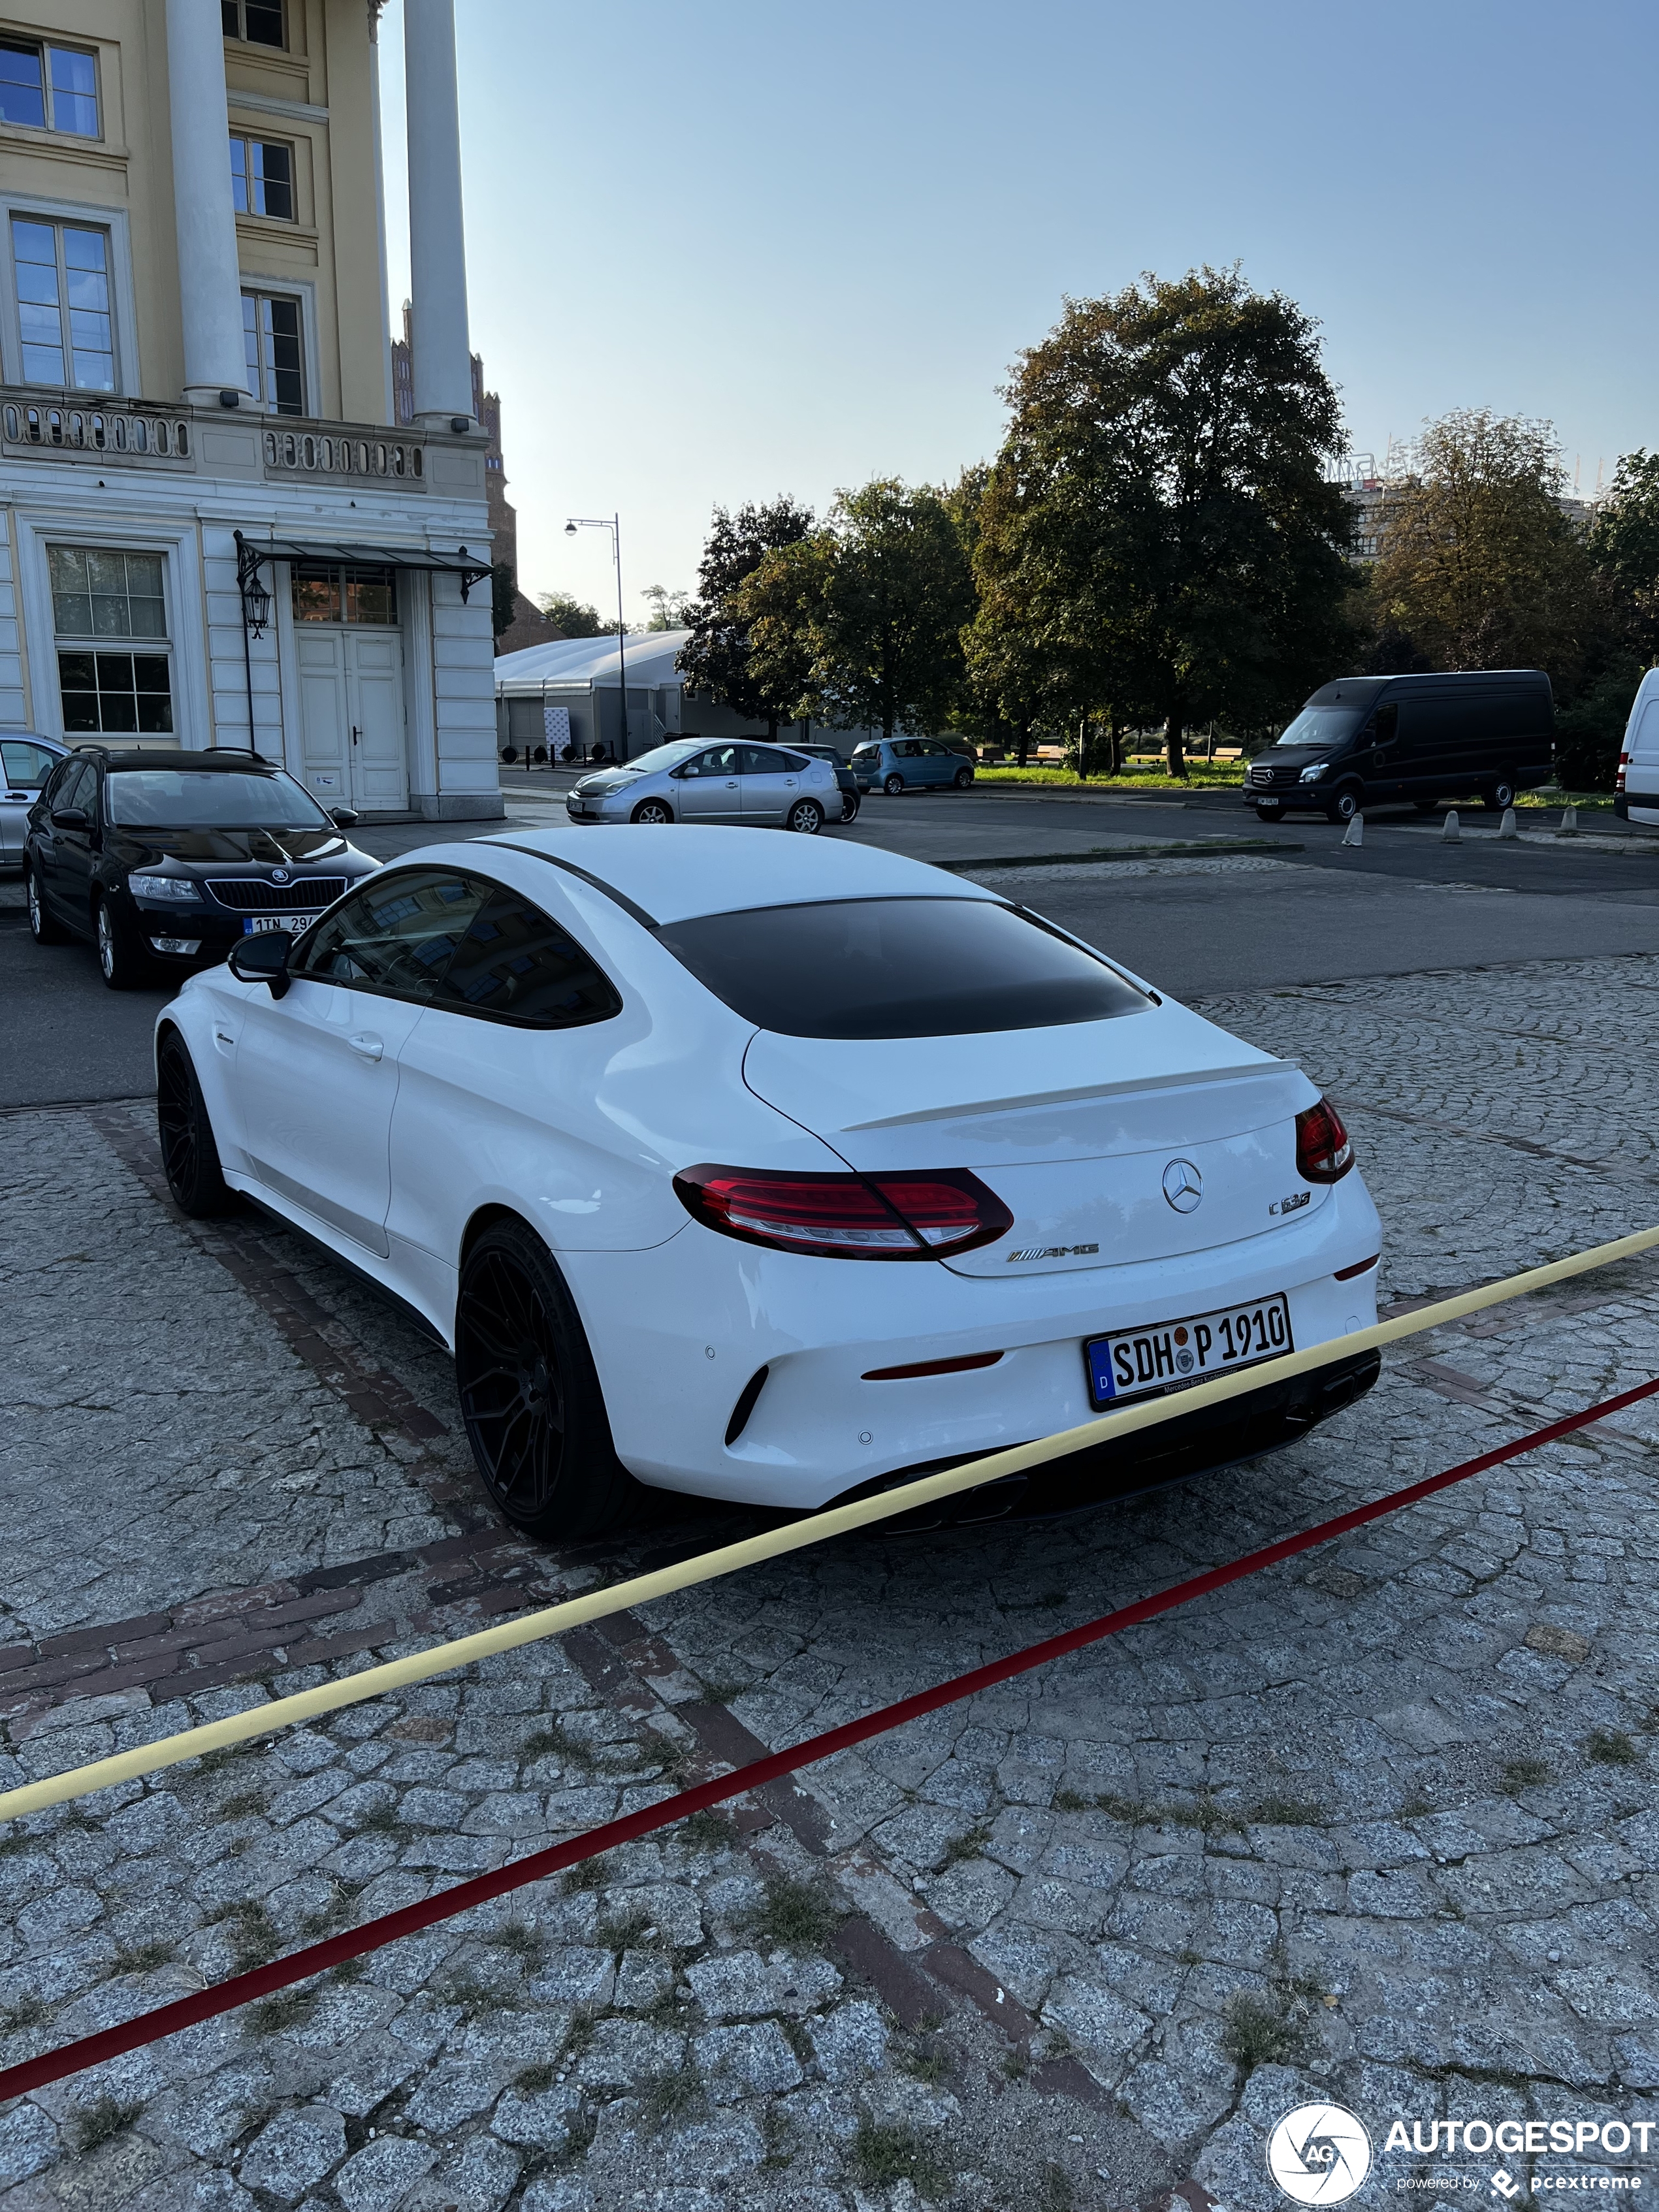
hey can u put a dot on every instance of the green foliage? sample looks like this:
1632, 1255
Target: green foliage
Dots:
503, 590
795, 1916
1524, 1774
1611, 1747
882, 2154
860, 622
1156, 542
672, 2096
100, 2123
718, 659
143, 1958
288, 2009
532, 2079
669, 609
572, 616
1624, 546
254, 1934
1261, 2033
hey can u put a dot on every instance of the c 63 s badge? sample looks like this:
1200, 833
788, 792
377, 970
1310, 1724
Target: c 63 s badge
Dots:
1054, 1252
1294, 1204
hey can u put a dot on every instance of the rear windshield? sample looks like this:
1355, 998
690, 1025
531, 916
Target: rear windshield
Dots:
205, 798
898, 968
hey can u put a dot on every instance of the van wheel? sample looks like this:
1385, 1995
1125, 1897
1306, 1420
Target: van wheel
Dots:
1344, 806
1270, 810
1497, 796
894, 784
1423, 805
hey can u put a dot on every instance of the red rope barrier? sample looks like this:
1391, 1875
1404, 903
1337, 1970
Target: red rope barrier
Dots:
300, 1966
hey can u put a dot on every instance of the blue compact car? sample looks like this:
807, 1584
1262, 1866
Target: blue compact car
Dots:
899, 764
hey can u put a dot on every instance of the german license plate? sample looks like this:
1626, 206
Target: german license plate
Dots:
294, 923
1178, 1353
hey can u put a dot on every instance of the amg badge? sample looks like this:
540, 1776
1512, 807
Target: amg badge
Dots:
1056, 1252
1297, 1200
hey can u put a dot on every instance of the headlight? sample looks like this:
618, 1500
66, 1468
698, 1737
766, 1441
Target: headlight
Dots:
164, 887
1312, 775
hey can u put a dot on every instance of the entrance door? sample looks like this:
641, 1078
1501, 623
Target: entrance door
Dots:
351, 713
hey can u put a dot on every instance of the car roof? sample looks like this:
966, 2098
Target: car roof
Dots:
674, 874
221, 761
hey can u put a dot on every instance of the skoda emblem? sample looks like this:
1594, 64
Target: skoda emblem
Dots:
1183, 1186
279, 875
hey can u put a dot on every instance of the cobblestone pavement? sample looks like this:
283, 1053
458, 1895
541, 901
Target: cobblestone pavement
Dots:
1379, 1826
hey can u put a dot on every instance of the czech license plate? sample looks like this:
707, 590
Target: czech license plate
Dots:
294, 923
1178, 1353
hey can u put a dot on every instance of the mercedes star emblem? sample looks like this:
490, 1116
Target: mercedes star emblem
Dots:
1183, 1186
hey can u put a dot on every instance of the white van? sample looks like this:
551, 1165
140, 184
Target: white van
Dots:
1636, 790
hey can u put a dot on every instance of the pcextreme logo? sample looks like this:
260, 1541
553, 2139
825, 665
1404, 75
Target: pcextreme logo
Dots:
1319, 2153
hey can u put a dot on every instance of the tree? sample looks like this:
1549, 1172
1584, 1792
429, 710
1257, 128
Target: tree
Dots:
1623, 551
865, 617
668, 608
1163, 532
1478, 566
573, 617
503, 590
717, 659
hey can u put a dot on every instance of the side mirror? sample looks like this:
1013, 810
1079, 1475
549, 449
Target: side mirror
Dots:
262, 957
680, 774
69, 818
343, 817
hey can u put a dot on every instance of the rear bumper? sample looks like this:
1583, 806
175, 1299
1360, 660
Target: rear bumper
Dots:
1244, 1429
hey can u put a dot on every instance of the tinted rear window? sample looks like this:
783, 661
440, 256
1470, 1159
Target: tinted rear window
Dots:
898, 968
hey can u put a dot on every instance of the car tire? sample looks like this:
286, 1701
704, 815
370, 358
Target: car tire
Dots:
805, 817
850, 803
894, 784
121, 959
1270, 810
653, 811
963, 779
1345, 804
1423, 805
44, 926
1497, 796
530, 1395
190, 1153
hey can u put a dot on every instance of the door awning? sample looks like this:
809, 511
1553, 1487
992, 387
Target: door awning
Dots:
336, 554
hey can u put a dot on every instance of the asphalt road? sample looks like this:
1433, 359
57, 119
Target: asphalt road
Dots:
1403, 903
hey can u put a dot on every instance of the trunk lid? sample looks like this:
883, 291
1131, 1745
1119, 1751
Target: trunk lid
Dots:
1072, 1131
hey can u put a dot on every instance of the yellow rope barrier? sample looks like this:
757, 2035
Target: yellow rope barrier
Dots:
795, 1536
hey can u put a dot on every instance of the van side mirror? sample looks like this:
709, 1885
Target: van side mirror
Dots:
69, 818
262, 957
343, 817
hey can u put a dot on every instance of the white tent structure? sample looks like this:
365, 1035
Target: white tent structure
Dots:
570, 692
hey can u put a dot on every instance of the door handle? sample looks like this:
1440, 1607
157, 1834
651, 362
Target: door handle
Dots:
367, 1046
355, 734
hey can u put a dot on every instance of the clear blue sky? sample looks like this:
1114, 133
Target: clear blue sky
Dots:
752, 246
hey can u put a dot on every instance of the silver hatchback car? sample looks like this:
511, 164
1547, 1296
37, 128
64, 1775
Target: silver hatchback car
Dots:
691, 781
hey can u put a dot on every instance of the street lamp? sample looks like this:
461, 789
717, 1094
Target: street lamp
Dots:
614, 525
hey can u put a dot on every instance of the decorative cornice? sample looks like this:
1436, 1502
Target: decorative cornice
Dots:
262, 103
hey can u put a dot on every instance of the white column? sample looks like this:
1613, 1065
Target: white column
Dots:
437, 249
389, 413
209, 284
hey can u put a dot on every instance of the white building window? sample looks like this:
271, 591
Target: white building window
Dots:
61, 273
46, 88
115, 668
271, 332
262, 177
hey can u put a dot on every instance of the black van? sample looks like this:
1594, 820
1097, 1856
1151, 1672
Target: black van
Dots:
1368, 739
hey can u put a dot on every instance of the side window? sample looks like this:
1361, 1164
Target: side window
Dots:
723, 761
26, 766
1385, 725
79, 788
397, 936
761, 760
515, 964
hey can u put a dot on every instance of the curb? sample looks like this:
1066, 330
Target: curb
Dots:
1184, 848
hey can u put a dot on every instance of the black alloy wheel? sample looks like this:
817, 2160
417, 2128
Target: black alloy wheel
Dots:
44, 926
964, 777
651, 811
122, 960
894, 784
805, 817
1344, 806
530, 1397
189, 1153
850, 803
1497, 796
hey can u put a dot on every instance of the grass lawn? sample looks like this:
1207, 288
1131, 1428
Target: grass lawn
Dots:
1227, 775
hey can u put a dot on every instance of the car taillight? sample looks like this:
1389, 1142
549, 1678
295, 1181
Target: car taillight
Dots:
1619, 780
925, 1215
1323, 1153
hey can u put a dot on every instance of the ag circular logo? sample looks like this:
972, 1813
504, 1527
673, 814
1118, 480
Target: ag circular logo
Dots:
1183, 1186
1319, 2153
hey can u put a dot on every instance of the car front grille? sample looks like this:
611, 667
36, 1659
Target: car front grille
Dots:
249, 895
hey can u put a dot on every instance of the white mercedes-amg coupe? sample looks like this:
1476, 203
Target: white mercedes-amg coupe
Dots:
773, 1170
